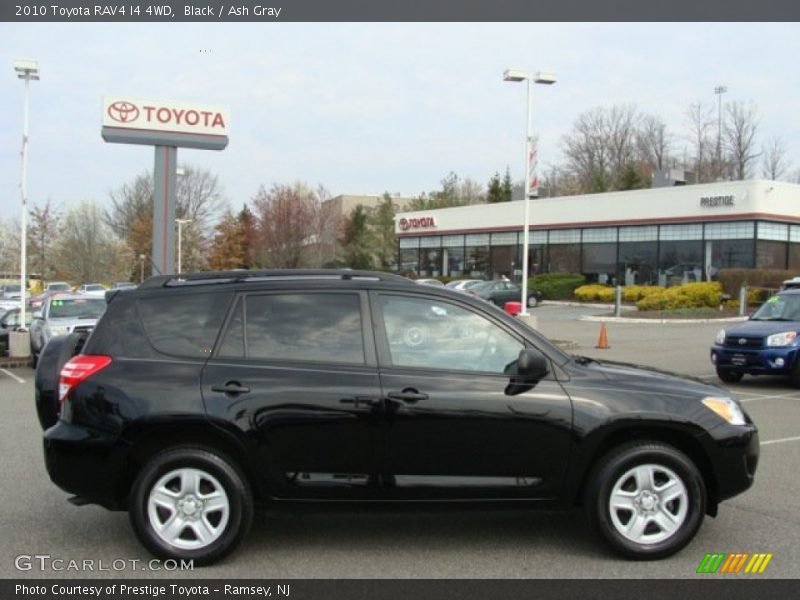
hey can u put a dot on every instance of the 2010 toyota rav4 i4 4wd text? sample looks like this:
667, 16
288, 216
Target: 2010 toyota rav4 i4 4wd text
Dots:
199, 397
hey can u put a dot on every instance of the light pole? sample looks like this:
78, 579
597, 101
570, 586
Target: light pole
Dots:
181, 223
26, 70
517, 75
719, 90
141, 268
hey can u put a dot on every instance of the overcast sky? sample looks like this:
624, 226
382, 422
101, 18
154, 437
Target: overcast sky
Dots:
367, 108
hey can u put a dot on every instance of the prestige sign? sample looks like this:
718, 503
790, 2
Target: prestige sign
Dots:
164, 116
717, 201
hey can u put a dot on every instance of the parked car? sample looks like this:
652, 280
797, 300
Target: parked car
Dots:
10, 296
462, 285
58, 286
10, 321
61, 315
500, 291
93, 289
197, 398
36, 302
433, 282
768, 343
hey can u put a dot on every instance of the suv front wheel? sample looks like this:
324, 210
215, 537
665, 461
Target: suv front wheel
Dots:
192, 504
646, 499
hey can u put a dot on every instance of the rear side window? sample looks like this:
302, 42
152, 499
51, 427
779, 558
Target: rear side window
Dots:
183, 325
302, 327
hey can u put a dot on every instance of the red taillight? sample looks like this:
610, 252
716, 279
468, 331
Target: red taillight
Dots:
78, 368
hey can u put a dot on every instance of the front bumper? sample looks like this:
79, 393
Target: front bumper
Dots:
86, 463
755, 361
734, 458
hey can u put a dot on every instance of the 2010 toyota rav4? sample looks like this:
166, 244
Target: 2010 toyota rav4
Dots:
197, 398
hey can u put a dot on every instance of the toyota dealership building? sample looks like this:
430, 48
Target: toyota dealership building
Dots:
660, 236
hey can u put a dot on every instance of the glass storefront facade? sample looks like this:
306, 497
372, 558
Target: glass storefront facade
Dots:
630, 255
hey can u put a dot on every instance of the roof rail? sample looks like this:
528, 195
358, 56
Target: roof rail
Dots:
245, 276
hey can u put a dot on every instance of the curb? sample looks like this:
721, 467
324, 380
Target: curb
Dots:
598, 319
583, 304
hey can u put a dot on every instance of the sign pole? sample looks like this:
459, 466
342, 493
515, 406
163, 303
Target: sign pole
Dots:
164, 197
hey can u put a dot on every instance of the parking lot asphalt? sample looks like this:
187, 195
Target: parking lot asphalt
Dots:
424, 542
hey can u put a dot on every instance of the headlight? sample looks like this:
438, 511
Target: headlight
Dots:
726, 408
720, 339
781, 339
55, 330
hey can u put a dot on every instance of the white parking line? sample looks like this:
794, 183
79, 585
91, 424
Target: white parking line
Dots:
793, 396
10, 374
781, 441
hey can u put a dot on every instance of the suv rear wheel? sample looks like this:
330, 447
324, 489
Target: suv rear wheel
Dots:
192, 504
646, 499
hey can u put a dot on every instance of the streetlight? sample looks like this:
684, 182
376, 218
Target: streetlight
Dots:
518, 75
26, 70
181, 223
719, 90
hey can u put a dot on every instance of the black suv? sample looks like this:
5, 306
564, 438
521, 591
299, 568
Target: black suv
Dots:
199, 397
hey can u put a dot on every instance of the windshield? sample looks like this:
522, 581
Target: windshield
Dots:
783, 307
93, 287
77, 308
11, 288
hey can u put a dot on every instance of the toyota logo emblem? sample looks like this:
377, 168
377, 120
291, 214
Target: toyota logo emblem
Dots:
404, 224
123, 112
742, 341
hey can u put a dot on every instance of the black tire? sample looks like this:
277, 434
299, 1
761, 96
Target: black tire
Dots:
729, 375
663, 465
218, 474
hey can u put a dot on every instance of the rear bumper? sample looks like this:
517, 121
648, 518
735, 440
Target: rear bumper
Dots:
86, 463
757, 361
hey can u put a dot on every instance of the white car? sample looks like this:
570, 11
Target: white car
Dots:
92, 289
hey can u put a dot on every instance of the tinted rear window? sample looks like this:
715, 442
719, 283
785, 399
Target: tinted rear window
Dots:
315, 327
184, 324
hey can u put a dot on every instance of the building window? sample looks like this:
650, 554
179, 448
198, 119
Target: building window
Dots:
564, 258
430, 262
453, 261
773, 231
565, 236
770, 255
476, 239
452, 241
645, 233
638, 263
477, 261
600, 234
730, 231
681, 232
430, 242
680, 262
600, 261
505, 238
409, 242
729, 254
409, 259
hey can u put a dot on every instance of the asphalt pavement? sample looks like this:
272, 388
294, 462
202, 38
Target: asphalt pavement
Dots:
420, 542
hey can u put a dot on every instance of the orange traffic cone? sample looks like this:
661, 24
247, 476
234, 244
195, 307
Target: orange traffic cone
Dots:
602, 341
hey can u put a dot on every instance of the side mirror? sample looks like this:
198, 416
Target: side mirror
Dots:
531, 365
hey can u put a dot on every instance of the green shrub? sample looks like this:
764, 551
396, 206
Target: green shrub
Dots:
690, 295
556, 286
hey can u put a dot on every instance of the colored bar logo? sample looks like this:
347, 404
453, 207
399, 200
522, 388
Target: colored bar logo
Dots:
735, 563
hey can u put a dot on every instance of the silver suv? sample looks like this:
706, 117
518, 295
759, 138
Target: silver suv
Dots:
62, 315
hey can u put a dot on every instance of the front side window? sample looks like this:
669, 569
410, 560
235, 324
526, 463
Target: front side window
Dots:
427, 333
310, 327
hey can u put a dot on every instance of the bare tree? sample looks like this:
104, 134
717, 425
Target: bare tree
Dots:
601, 149
88, 250
9, 248
42, 235
741, 125
285, 219
701, 125
653, 142
774, 163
